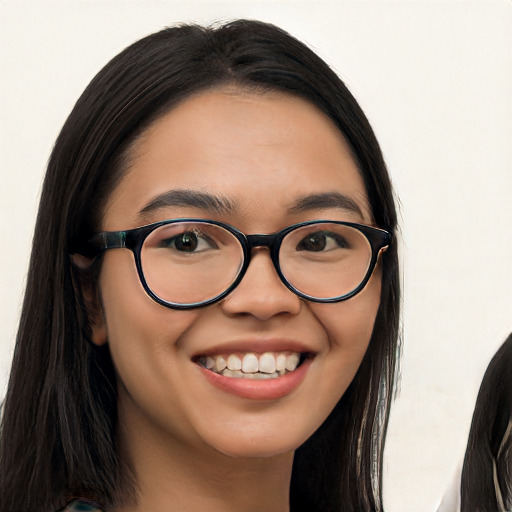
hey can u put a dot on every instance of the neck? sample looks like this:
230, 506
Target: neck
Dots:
172, 476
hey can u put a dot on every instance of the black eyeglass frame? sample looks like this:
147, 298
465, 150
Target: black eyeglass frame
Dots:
133, 239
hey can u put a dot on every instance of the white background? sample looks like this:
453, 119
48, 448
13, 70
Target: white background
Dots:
435, 79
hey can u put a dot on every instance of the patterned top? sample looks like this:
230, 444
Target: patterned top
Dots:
82, 505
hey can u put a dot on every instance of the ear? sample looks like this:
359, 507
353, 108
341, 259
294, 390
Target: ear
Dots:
91, 296
97, 324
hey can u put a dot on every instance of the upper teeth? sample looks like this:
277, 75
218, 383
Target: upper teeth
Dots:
249, 364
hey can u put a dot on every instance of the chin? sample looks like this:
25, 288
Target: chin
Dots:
254, 442
257, 450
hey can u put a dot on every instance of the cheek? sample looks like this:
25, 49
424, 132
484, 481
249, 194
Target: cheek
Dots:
350, 323
142, 335
349, 327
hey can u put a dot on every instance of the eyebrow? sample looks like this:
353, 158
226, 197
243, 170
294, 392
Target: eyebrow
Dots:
223, 206
326, 200
190, 198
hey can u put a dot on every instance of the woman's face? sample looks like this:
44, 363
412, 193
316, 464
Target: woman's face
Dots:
266, 158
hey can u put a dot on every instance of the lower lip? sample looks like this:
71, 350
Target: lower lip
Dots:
264, 389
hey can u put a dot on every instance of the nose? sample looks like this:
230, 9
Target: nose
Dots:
261, 293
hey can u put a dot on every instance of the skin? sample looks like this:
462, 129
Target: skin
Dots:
192, 445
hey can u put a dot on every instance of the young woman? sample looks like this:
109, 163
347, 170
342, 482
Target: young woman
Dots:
211, 314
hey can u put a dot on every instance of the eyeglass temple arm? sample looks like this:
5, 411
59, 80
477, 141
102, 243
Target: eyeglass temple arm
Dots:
102, 242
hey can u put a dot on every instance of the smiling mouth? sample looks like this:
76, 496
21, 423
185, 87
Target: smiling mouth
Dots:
269, 365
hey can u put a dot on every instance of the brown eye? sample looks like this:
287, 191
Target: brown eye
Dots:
187, 242
321, 241
313, 242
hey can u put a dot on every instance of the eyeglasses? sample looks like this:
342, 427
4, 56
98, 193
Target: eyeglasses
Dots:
188, 263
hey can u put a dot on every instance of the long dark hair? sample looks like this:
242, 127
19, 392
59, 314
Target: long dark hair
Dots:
60, 418
487, 470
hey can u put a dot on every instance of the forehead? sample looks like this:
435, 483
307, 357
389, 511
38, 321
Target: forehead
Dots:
261, 151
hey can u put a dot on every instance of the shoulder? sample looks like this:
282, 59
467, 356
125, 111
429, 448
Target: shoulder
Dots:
82, 505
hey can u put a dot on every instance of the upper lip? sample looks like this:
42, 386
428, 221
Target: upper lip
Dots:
257, 346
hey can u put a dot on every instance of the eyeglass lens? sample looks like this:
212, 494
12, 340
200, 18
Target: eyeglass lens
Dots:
188, 262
